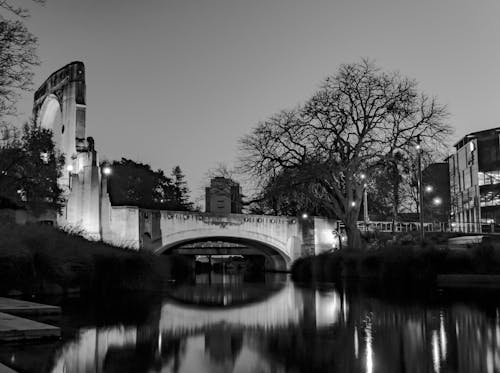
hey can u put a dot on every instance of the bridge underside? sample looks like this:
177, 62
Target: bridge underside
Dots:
274, 259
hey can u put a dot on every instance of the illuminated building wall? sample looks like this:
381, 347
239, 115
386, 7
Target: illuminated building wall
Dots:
475, 182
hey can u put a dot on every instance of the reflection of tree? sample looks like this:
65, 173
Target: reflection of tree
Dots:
223, 345
146, 357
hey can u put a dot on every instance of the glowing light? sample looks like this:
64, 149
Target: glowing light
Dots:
418, 147
356, 343
362, 176
435, 352
369, 346
442, 335
429, 188
353, 203
305, 215
106, 170
472, 146
328, 307
69, 167
437, 201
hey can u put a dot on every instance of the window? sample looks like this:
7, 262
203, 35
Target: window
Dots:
488, 177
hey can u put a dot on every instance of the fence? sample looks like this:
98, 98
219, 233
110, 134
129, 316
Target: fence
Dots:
399, 226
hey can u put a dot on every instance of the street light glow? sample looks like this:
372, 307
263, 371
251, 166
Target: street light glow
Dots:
106, 170
304, 215
437, 201
353, 203
69, 167
429, 188
363, 176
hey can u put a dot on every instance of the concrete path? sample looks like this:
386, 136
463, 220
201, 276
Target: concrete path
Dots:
21, 307
13, 328
4, 369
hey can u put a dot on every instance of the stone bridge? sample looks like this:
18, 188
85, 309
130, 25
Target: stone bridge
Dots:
279, 239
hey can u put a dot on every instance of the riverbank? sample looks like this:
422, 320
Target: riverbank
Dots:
37, 260
410, 264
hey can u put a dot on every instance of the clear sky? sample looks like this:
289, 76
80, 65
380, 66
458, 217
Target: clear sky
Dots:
180, 81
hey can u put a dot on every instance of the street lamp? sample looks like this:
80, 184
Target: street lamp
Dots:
106, 170
418, 147
365, 201
305, 215
429, 188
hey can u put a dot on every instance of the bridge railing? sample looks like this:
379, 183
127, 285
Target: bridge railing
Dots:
400, 226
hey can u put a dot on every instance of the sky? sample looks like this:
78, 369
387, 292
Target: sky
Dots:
179, 82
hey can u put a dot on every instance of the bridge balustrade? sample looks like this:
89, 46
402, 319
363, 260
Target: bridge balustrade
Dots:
401, 227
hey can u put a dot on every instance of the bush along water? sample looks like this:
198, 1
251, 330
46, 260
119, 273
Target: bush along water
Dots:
37, 259
401, 263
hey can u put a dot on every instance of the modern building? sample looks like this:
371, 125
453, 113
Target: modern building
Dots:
223, 196
474, 172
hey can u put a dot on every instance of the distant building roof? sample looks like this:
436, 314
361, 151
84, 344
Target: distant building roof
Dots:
473, 135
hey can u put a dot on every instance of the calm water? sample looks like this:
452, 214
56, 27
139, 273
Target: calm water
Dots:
227, 324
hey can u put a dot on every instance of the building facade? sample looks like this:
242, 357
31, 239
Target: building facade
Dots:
223, 196
474, 171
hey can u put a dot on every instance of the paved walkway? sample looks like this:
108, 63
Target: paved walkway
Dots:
4, 369
13, 328
21, 307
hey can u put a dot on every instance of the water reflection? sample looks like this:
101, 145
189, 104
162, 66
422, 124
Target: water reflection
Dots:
281, 327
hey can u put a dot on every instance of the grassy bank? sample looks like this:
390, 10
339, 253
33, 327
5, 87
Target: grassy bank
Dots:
37, 259
397, 264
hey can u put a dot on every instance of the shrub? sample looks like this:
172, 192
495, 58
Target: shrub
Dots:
35, 258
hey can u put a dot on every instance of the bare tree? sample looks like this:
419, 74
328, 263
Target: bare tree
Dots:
17, 56
360, 118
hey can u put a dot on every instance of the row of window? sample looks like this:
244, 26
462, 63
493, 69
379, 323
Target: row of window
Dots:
488, 177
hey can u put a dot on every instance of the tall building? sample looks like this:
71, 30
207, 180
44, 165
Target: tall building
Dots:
223, 196
475, 182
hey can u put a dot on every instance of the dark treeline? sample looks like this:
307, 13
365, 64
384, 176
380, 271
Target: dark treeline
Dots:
136, 184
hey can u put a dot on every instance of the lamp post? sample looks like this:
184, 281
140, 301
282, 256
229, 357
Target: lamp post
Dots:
366, 218
418, 147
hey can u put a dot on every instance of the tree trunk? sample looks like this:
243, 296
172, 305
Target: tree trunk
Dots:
353, 236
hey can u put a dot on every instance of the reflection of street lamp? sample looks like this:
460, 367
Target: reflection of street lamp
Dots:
418, 147
70, 170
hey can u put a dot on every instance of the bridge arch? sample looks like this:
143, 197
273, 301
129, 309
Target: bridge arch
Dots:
276, 257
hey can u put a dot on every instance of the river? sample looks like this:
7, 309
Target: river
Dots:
229, 323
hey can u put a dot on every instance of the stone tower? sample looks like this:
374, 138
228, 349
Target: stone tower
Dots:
60, 105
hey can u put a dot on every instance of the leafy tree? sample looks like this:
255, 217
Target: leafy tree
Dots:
359, 119
136, 184
17, 56
30, 167
181, 191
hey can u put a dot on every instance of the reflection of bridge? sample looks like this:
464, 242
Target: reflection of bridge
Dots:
60, 105
370, 335
287, 308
